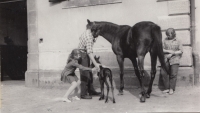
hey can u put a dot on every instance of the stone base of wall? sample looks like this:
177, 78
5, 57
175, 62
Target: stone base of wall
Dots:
51, 79
31, 79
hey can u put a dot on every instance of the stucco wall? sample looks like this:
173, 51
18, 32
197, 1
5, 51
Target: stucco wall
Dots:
54, 31
197, 35
197, 12
60, 28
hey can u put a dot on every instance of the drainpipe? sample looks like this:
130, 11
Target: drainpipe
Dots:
193, 39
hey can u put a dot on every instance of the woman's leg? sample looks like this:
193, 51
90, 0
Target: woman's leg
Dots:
173, 77
165, 78
71, 88
77, 89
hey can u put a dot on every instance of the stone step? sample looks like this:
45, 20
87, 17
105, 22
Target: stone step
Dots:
51, 79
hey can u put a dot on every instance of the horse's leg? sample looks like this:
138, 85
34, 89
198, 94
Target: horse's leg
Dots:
106, 82
120, 60
135, 65
141, 71
102, 89
153, 71
112, 88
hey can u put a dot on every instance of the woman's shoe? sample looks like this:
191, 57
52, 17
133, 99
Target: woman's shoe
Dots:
66, 100
171, 91
166, 91
76, 98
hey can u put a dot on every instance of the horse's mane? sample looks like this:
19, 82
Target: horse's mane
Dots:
108, 26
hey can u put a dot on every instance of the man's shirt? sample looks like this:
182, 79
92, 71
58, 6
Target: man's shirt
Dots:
86, 41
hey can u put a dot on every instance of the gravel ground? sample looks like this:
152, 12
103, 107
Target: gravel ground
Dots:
16, 98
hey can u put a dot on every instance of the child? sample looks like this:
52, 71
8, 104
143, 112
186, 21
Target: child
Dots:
68, 74
173, 51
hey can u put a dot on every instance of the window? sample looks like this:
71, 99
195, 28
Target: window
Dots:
85, 3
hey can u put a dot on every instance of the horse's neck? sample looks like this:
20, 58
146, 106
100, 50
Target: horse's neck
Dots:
109, 33
108, 37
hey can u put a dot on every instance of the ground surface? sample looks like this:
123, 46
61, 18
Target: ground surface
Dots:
16, 98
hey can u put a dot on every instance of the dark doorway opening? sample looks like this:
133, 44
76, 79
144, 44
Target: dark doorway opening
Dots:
13, 39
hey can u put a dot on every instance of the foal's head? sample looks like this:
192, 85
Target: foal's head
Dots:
97, 60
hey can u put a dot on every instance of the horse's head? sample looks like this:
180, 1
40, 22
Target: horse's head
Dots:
95, 28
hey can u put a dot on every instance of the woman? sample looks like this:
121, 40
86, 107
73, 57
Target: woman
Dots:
68, 74
173, 51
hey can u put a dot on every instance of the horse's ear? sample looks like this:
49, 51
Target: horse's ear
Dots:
98, 57
95, 57
88, 21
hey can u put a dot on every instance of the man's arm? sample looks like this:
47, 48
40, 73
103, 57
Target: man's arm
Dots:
94, 61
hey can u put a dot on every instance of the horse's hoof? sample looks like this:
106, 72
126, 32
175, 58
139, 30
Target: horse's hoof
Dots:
142, 99
114, 101
147, 95
101, 98
106, 101
120, 92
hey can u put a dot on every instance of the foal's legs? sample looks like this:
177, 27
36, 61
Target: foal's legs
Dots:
102, 89
153, 71
120, 60
106, 82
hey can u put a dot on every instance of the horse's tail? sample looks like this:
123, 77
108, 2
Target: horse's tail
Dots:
129, 37
157, 35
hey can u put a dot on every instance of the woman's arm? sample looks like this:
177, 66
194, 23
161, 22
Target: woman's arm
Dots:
93, 70
180, 51
168, 51
165, 50
82, 67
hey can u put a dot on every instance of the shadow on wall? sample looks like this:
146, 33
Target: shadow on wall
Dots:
55, 2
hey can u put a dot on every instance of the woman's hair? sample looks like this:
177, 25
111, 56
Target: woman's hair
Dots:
71, 56
169, 30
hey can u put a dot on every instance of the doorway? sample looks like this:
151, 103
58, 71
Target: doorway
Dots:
13, 39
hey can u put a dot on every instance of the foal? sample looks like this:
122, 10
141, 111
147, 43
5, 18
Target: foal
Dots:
103, 75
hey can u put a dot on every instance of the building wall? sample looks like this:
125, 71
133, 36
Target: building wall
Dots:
60, 28
54, 31
197, 3
197, 35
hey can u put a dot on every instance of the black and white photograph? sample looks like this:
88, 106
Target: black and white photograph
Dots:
99, 56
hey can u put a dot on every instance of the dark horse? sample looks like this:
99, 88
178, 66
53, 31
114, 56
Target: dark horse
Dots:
133, 42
